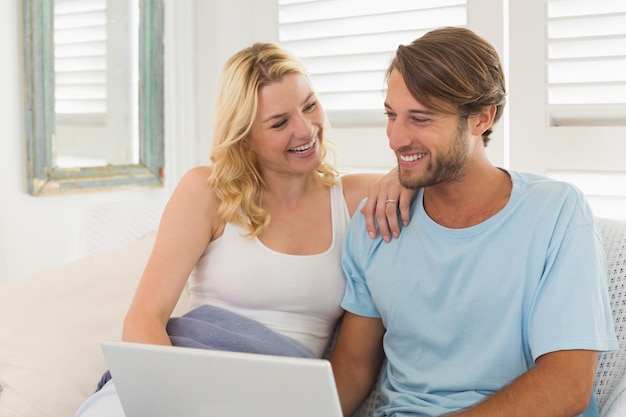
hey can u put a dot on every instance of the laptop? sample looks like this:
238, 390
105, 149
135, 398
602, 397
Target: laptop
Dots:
166, 381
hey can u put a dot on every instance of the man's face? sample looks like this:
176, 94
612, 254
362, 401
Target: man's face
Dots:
431, 147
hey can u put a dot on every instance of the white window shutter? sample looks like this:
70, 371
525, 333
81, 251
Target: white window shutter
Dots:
566, 71
566, 98
347, 44
95, 81
80, 59
586, 62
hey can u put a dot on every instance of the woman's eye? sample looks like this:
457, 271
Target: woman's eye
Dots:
279, 124
310, 107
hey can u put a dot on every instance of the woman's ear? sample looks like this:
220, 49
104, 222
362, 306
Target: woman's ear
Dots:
245, 144
484, 120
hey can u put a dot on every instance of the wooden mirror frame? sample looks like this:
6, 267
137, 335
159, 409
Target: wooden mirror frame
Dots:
43, 176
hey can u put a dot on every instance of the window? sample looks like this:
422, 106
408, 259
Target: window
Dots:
347, 44
586, 86
95, 82
80, 56
567, 95
586, 62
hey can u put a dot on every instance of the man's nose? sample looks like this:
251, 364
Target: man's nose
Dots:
398, 135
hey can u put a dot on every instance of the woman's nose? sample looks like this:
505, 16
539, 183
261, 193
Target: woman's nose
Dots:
303, 126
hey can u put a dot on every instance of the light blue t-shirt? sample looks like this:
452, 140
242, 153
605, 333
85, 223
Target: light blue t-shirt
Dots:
469, 310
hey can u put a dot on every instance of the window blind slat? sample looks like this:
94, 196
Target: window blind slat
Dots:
598, 47
79, 20
80, 64
355, 63
80, 35
80, 106
587, 26
81, 92
83, 77
362, 100
580, 72
339, 83
80, 49
562, 8
613, 93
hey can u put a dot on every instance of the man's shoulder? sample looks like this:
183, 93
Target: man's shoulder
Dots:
550, 195
536, 183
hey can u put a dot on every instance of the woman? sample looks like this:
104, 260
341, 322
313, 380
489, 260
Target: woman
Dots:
259, 232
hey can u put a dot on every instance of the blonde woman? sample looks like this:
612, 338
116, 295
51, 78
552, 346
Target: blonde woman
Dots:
259, 232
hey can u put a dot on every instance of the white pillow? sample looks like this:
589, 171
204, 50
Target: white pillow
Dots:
51, 326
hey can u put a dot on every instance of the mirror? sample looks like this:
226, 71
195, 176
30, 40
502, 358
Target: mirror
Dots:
94, 94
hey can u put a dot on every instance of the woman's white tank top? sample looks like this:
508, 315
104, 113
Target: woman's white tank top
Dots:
297, 296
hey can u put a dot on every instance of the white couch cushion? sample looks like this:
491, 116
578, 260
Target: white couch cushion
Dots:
51, 325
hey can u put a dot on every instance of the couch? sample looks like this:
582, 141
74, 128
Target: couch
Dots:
52, 322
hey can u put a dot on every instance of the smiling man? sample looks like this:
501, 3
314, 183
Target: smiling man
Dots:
493, 300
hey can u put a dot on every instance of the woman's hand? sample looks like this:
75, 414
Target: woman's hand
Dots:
388, 203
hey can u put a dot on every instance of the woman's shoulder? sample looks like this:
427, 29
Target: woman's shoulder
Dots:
359, 180
356, 187
194, 185
201, 172
195, 199
196, 178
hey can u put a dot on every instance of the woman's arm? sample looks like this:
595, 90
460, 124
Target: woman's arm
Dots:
188, 224
388, 202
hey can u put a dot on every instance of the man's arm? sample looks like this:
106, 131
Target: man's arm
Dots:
560, 385
356, 359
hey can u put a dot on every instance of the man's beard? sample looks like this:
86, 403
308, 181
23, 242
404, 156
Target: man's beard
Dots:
448, 167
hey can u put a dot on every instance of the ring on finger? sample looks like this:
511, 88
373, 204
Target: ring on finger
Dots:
391, 201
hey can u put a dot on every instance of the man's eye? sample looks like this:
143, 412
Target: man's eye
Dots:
390, 114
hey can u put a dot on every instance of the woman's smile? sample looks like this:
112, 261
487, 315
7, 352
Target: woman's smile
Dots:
304, 149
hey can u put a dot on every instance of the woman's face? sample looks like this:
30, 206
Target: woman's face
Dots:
287, 130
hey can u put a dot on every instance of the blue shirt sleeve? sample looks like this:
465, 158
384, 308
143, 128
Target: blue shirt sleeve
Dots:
357, 298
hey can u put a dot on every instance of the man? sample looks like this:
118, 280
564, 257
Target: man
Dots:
492, 301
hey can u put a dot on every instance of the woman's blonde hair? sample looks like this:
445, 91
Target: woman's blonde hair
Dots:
235, 175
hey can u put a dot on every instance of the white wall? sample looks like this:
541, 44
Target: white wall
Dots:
36, 232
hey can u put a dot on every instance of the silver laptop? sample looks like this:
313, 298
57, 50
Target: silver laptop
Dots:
165, 381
